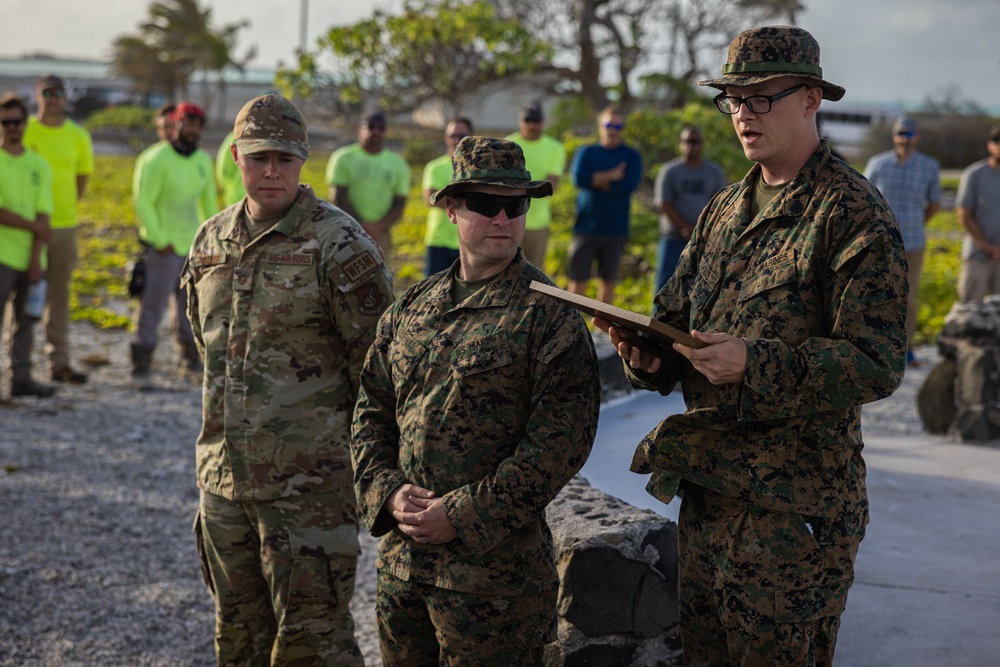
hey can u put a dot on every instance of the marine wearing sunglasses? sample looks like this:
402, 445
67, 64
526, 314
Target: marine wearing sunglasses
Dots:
490, 205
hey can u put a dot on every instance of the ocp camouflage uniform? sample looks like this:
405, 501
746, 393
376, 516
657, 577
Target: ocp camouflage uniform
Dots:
491, 403
284, 323
770, 469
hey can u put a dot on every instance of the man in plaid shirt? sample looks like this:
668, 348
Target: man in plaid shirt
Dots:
911, 183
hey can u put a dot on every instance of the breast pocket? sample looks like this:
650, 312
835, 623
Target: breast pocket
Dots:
704, 287
772, 300
211, 278
488, 380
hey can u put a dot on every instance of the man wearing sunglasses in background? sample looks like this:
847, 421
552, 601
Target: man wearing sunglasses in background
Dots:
545, 157
606, 174
682, 190
795, 278
479, 402
68, 149
911, 182
26, 206
441, 237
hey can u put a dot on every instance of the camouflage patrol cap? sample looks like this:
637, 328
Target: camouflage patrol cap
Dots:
487, 161
762, 54
271, 123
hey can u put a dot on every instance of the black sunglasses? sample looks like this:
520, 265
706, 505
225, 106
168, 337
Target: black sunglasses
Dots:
490, 205
12, 122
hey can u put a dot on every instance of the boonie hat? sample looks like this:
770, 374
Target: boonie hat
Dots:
762, 54
488, 161
49, 81
905, 124
532, 109
271, 123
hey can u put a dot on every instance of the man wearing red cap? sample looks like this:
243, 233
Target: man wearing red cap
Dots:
174, 193
68, 149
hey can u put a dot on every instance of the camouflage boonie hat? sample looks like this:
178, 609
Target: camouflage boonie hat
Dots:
486, 161
762, 54
271, 123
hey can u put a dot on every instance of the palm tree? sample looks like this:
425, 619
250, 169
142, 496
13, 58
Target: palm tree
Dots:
175, 42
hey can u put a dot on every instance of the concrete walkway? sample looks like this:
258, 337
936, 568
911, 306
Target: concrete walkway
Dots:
928, 572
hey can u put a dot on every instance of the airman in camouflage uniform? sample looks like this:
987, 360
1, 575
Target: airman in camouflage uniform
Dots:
796, 279
479, 401
285, 291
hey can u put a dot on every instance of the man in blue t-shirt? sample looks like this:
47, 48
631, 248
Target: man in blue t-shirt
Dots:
606, 174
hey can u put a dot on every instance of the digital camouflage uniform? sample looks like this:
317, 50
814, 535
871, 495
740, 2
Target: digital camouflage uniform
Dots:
284, 323
492, 403
770, 468
816, 286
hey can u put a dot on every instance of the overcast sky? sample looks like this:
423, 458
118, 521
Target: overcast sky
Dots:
888, 51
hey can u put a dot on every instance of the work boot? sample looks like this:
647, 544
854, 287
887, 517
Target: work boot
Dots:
31, 388
69, 375
192, 368
142, 360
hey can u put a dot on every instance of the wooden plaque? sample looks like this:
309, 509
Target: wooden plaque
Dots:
635, 329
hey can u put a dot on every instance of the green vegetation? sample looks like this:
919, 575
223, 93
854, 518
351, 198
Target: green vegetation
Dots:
939, 277
108, 239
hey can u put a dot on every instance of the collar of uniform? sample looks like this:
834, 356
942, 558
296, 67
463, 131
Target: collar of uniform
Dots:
496, 294
234, 231
794, 199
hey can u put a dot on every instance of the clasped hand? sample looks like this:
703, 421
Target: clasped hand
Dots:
722, 360
421, 515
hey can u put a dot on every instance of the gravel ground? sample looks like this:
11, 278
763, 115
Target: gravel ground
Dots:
97, 560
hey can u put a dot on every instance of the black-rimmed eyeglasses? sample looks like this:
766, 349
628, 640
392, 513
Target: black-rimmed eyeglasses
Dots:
730, 104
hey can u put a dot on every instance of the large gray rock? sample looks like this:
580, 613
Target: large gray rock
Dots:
618, 582
936, 398
969, 344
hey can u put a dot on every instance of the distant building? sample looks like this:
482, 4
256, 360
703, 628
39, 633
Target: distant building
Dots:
90, 85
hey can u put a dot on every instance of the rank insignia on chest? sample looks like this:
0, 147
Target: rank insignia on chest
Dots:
243, 279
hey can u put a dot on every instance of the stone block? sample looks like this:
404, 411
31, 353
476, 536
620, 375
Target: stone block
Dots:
936, 398
618, 582
969, 344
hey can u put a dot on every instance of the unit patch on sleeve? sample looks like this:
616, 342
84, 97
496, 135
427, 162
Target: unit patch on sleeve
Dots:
359, 266
371, 301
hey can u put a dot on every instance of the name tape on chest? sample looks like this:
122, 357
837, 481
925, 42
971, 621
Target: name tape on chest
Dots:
297, 259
